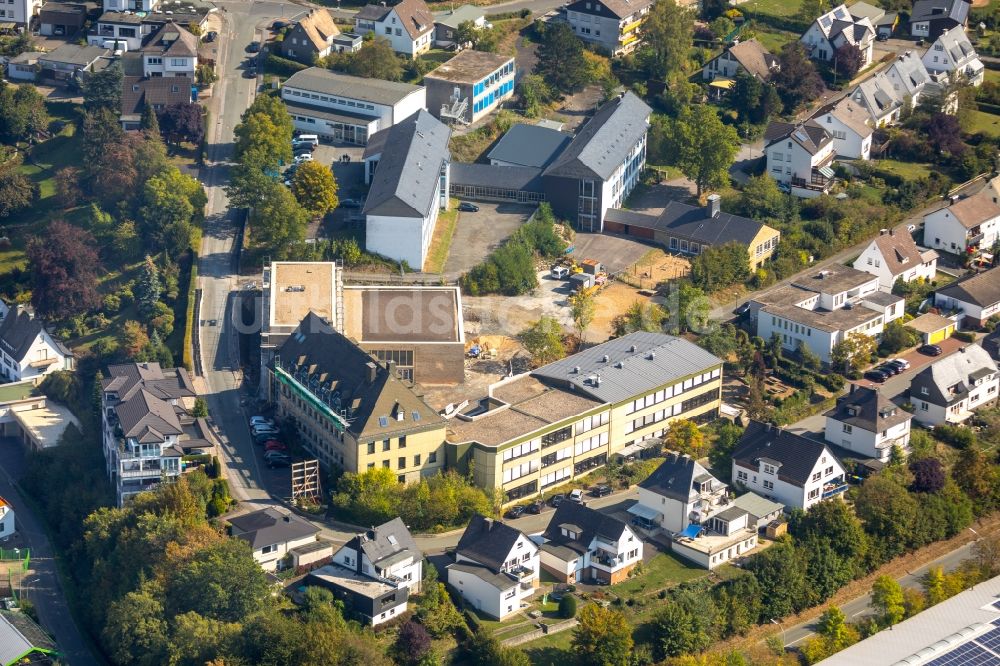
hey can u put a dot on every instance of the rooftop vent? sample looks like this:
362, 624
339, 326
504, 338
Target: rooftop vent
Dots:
632, 349
619, 365
606, 358
650, 356
576, 369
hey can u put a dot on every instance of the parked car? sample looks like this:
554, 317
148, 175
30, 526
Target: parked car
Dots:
576, 495
466, 207
269, 432
882, 37
600, 491
536, 507
253, 47
260, 420
278, 25
930, 350
889, 369
274, 445
556, 500
559, 272
302, 149
515, 511
211, 36
250, 73
259, 440
275, 454
350, 203
876, 376
279, 461
304, 157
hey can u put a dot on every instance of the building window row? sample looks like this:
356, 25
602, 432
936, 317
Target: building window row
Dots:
591, 443
529, 488
553, 458
671, 391
557, 436
590, 422
517, 471
521, 449
332, 100
590, 463
555, 477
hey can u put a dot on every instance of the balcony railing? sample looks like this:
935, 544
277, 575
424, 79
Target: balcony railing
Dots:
834, 488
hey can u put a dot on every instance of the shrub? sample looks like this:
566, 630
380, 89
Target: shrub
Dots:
958, 436
567, 606
964, 336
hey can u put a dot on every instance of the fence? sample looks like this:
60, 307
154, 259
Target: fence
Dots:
538, 633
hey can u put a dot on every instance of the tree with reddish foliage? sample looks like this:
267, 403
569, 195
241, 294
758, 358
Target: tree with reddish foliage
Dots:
945, 134
847, 60
412, 643
797, 81
928, 475
64, 267
182, 122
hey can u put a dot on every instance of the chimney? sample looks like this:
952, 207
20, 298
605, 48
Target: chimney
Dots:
372, 372
712, 204
286, 519
391, 367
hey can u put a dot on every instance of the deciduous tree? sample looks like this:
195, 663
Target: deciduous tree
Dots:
706, 147
668, 34
887, 598
64, 266
720, 266
847, 60
685, 437
412, 643
582, 310
171, 202
182, 122
928, 475
315, 188
103, 90
543, 340
376, 60
853, 352
16, 191
797, 81
278, 222
603, 637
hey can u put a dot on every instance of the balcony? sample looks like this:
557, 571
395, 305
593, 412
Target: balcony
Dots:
43, 362
835, 487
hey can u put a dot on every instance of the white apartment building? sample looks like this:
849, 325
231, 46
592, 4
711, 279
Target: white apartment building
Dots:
496, 567
820, 310
678, 493
21, 12
614, 26
952, 388
791, 469
387, 552
582, 544
171, 51
800, 157
893, 255
868, 423
952, 52
349, 109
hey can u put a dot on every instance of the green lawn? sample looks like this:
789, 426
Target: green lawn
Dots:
774, 7
987, 123
773, 40
444, 231
664, 570
907, 170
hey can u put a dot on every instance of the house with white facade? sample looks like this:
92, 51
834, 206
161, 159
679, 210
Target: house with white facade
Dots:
584, 544
910, 79
408, 26
601, 165
952, 388
7, 520
967, 226
877, 96
869, 424
800, 157
386, 552
953, 54
347, 109
727, 535
408, 167
678, 493
27, 349
272, 534
789, 468
847, 123
374, 573
893, 255
171, 51
446, 23
21, 12
819, 310
613, 26
835, 29
496, 567
929, 18
974, 299
146, 426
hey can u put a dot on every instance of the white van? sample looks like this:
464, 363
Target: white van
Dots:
306, 138
559, 272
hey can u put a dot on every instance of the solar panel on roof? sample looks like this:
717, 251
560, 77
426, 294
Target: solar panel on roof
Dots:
840, 13
990, 640
996, 605
825, 21
967, 654
996, 622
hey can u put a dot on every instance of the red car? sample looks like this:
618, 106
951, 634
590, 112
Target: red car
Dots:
274, 445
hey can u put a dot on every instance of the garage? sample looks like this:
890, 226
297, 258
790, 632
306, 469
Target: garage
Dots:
933, 328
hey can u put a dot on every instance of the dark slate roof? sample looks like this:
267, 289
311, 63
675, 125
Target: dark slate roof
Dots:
648, 361
602, 144
692, 222
20, 637
270, 526
384, 542
675, 477
948, 379
523, 179
620, 8
529, 146
796, 455
166, 384
74, 54
147, 418
810, 134
315, 351
407, 178
172, 40
933, 10
19, 330
372, 12
591, 523
868, 409
982, 289
162, 91
487, 542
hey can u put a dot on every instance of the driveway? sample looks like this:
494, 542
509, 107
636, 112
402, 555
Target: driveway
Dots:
615, 252
478, 234
43, 588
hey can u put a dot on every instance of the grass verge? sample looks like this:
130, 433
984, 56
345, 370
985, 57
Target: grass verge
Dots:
444, 232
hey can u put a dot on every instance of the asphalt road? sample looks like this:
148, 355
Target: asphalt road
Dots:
537, 7
856, 608
43, 587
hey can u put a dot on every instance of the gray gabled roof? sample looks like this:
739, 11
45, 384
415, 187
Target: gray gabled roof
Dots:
693, 223
810, 135
270, 526
795, 455
376, 91
522, 179
497, 580
647, 360
603, 142
385, 542
675, 476
588, 523
867, 409
19, 330
982, 289
487, 542
529, 146
936, 10
757, 506
407, 180
948, 380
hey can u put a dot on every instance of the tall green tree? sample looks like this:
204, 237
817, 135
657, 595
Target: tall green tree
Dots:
887, 598
149, 122
16, 191
278, 222
560, 59
376, 60
103, 90
720, 266
668, 37
797, 81
603, 637
582, 310
543, 340
171, 203
148, 288
221, 582
315, 188
706, 146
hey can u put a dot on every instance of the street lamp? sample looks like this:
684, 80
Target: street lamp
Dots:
773, 621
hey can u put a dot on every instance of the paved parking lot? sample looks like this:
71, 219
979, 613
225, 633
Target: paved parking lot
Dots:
478, 234
615, 252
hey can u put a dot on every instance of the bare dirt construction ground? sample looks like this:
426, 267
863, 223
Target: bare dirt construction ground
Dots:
579, 106
481, 372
